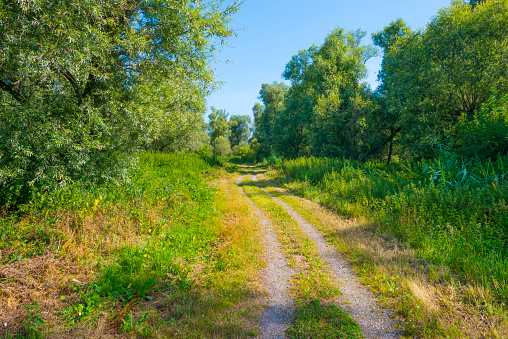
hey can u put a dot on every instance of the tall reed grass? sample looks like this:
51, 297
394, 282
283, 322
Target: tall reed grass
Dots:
453, 212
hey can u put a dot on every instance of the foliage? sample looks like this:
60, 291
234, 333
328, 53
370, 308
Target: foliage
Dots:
219, 125
84, 83
221, 147
435, 77
451, 211
485, 136
433, 83
323, 113
265, 116
244, 153
181, 132
240, 130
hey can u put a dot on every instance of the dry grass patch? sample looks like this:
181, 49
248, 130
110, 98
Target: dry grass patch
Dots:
80, 242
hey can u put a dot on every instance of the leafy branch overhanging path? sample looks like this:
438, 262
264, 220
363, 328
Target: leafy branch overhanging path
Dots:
374, 321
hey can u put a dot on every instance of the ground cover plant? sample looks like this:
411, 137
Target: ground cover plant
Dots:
161, 254
445, 221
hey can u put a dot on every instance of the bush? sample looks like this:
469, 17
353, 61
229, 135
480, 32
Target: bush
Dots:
486, 135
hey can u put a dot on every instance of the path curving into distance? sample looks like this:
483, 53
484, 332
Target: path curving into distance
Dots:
374, 321
277, 315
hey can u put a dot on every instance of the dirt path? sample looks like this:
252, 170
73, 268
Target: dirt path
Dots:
276, 276
356, 299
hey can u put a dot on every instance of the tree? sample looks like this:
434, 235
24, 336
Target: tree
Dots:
272, 96
324, 111
221, 146
84, 83
294, 122
434, 78
240, 130
219, 125
383, 122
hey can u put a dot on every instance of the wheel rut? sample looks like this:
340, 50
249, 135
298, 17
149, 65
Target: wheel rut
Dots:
374, 321
276, 276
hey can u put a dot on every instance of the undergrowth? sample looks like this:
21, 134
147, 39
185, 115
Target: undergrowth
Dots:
158, 254
429, 299
314, 320
451, 212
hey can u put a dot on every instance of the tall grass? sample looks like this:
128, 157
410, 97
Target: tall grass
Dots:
453, 212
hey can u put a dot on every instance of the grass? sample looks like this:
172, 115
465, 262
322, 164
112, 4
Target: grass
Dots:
163, 254
313, 287
435, 248
314, 320
453, 214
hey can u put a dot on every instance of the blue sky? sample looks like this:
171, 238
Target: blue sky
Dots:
270, 32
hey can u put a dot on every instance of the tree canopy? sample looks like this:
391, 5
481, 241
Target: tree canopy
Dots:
84, 83
444, 83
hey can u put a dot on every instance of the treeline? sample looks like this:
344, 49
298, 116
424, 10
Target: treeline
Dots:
84, 84
441, 87
229, 136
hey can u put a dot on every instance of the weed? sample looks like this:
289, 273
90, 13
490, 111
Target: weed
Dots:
164, 241
132, 325
450, 211
315, 320
34, 320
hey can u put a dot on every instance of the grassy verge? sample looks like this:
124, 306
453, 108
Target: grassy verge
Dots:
398, 244
163, 255
313, 287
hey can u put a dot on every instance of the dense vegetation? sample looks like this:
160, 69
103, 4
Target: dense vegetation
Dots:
162, 254
423, 156
444, 84
84, 84
452, 213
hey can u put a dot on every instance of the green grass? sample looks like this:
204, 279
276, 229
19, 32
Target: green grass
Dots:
161, 252
451, 212
315, 320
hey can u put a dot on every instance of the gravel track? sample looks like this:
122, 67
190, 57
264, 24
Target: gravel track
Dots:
277, 315
374, 321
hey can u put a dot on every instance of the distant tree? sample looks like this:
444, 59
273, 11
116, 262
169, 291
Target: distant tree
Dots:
221, 146
272, 96
240, 130
219, 124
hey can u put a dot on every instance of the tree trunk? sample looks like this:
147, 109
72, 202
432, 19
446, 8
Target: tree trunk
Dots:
390, 149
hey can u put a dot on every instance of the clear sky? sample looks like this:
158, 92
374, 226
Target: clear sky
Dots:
270, 32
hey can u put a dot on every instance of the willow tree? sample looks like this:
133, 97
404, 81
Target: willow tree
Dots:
326, 106
84, 82
436, 77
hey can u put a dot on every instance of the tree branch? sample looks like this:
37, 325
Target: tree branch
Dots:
15, 93
75, 86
